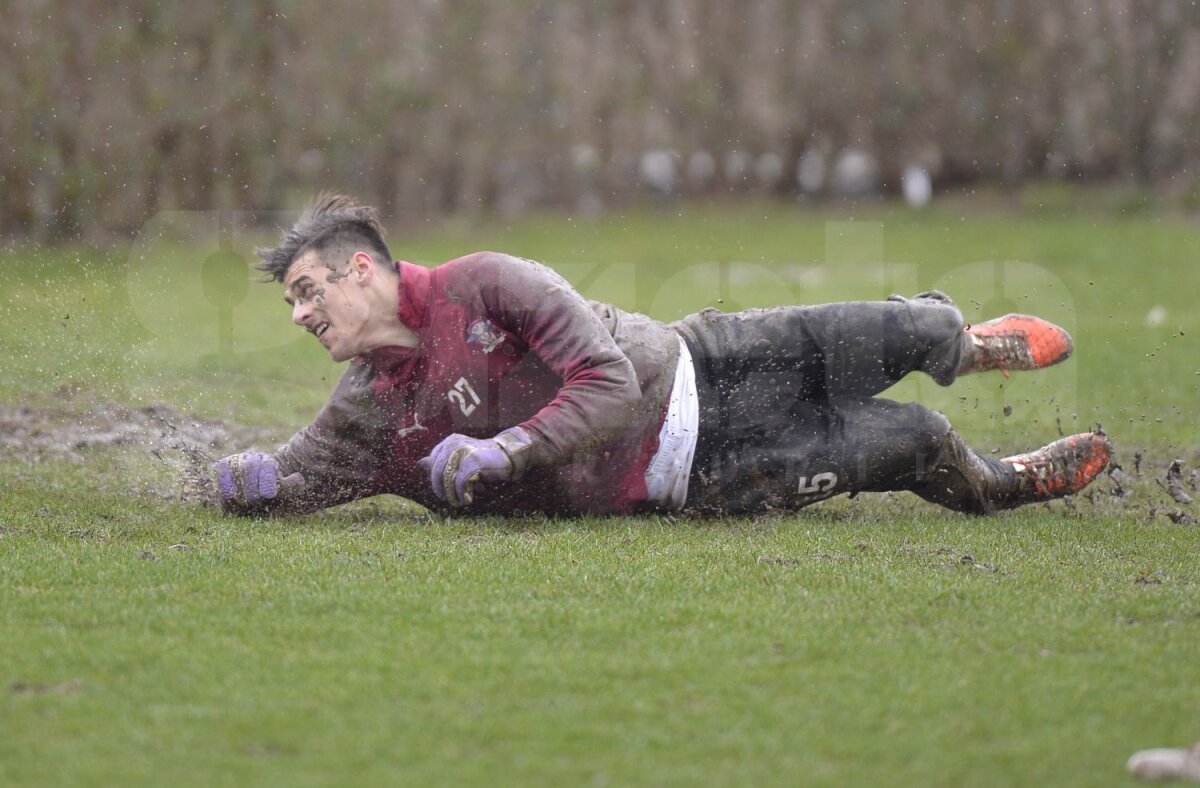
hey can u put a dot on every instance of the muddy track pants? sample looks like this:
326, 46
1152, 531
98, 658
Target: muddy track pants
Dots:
789, 416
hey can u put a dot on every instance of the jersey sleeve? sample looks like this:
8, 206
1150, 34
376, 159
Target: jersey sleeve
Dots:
336, 458
600, 389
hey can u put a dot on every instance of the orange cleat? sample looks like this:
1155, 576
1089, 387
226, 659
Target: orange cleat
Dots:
1016, 342
1061, 468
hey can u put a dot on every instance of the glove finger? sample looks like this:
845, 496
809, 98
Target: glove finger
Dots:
436, 461
268, 478
224, 474
465, 487
253, 473
251, 469
450, 474
440, 454
435, 466
469, 467
237, 470
440, 457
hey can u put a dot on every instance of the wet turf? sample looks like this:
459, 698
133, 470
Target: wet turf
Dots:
872, 641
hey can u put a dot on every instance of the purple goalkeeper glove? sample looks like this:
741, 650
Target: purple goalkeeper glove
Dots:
456, 464
246, 481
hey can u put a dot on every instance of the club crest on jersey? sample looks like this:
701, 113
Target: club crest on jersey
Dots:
484, 334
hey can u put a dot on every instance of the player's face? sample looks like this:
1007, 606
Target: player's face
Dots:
328, 301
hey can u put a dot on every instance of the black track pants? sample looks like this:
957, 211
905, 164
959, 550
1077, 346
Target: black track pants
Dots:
788, 414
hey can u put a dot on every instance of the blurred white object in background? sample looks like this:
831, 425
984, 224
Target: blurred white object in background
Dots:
916, 185
658, 170
1165, 764
855, 173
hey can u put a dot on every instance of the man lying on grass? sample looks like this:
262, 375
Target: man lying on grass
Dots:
489, 385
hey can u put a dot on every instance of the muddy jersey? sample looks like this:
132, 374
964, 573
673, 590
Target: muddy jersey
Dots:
502, 342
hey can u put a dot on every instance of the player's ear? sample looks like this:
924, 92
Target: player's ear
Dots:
362, 267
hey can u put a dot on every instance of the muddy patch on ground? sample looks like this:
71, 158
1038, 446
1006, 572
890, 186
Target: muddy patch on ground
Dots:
184, 444
39, 434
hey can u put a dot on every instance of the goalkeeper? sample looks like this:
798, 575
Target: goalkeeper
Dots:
489, 385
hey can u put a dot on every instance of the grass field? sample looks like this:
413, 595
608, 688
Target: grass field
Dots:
869, 641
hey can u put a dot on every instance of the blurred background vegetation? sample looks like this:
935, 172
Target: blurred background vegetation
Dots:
113, 111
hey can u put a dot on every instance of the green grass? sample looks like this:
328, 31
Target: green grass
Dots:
145, 642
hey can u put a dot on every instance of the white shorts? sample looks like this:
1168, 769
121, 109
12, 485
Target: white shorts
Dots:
669, 469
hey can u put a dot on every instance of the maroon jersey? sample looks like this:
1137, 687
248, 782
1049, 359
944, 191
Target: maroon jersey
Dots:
502, 342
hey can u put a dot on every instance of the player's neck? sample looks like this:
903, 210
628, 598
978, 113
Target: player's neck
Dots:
385, 328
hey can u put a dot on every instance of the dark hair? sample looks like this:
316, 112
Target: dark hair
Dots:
331, 221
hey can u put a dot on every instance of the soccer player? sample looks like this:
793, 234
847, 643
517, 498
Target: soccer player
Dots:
489, 385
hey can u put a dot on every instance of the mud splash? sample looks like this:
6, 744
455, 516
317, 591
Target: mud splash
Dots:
185, 445
1155, 491
41, 434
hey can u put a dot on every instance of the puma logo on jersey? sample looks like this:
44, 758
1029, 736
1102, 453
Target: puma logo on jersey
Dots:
416, 426
464, 396
819, 483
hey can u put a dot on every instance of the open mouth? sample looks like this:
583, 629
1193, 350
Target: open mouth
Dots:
320, 330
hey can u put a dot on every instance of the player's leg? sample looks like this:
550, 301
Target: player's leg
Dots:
814, 353
861, 347
853, 444
863, 444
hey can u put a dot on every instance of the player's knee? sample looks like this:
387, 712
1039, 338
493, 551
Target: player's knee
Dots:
903, 448
937, 323
929, 429
927, 437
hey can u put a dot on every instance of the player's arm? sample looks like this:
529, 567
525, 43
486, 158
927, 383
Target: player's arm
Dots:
600, 388
332, 461
599, 393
